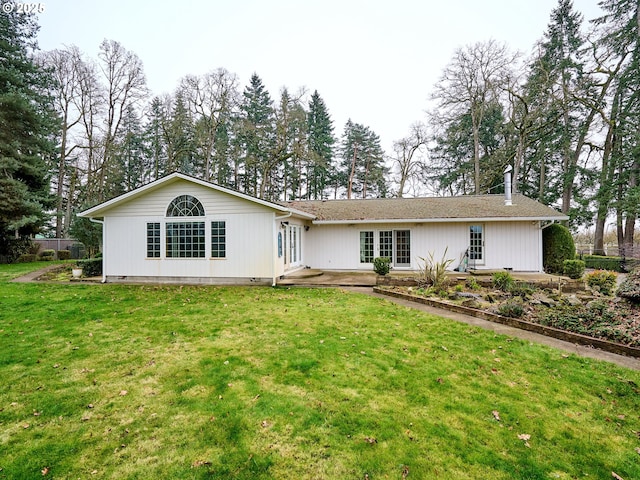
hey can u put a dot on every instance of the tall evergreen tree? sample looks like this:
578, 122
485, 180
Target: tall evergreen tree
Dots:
179, 138
561, 70
619, 37
362, 170
321, 145
131, 152
27, 130
154, 136
257, 137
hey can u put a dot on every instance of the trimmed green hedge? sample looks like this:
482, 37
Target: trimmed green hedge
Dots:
615, 264
26, 258
91, 267
64, 254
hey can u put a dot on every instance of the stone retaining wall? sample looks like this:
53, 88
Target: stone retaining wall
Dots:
522, 324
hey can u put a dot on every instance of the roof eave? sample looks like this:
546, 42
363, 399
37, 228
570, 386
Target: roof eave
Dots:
99, 210
440, 220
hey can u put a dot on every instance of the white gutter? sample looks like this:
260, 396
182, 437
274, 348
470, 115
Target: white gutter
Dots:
439, 220
275, 246
101, 222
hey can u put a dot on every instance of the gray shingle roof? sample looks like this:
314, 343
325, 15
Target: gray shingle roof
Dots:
471, 207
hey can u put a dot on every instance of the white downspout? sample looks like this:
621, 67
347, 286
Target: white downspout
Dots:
275, 245
104, 247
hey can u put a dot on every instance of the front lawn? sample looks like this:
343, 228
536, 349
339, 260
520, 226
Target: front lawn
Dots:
112, 381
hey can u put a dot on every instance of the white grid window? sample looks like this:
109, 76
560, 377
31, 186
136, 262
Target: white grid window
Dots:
185, 240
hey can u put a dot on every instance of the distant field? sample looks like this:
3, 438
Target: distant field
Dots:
114, 381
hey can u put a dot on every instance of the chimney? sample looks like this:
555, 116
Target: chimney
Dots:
507, 185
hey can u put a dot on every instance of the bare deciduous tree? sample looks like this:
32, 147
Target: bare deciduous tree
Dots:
469, 84
406, 155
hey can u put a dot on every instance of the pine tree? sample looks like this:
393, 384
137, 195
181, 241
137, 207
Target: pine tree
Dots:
27, 129
362, 170
321, 145
619, 38
257, 137
131, 152
154, 136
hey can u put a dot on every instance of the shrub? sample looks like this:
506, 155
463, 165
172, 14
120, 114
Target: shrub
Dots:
381, 265
630, 287
557, 246
511, 309
64, 254
434, 273
33, 248
521, 289
502, 281
574, 268
603, 281
597, 262
91, 267
48, 254
26, 258
472, 283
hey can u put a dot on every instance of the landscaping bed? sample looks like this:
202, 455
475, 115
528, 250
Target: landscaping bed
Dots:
587, 317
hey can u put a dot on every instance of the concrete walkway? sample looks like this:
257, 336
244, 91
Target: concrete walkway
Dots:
32, 276
621, 360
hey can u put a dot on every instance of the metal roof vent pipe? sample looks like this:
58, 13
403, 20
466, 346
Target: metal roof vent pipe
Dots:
507, 185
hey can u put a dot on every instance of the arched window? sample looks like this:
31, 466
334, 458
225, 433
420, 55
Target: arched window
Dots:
185, 239
185, 206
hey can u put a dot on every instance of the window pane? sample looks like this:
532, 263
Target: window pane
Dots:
366, 247
185, 240
386, 244
153, 240
475, 242
403, 247
218, 239
185, 206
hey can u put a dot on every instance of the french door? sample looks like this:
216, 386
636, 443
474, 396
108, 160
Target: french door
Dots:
396, 245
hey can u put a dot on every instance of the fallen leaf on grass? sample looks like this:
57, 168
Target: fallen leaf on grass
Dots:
45, 471
496, 415
370, 440
638, 450
525, 437
616, 476
200, 463
123, 393
405, 471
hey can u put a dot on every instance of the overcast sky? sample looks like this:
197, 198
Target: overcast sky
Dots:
373, 61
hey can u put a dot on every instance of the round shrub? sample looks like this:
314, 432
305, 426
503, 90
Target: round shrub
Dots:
381, 265
47, 255
630, 287
64, 254
557, 246
603, 281
574, 268
511, 309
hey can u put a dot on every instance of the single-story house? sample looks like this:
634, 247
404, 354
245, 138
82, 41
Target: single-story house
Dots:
183, 229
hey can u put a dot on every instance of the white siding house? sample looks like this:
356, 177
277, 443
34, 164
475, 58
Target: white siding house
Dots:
181, 229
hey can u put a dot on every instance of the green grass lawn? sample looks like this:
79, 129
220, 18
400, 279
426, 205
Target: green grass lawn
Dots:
147, 382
